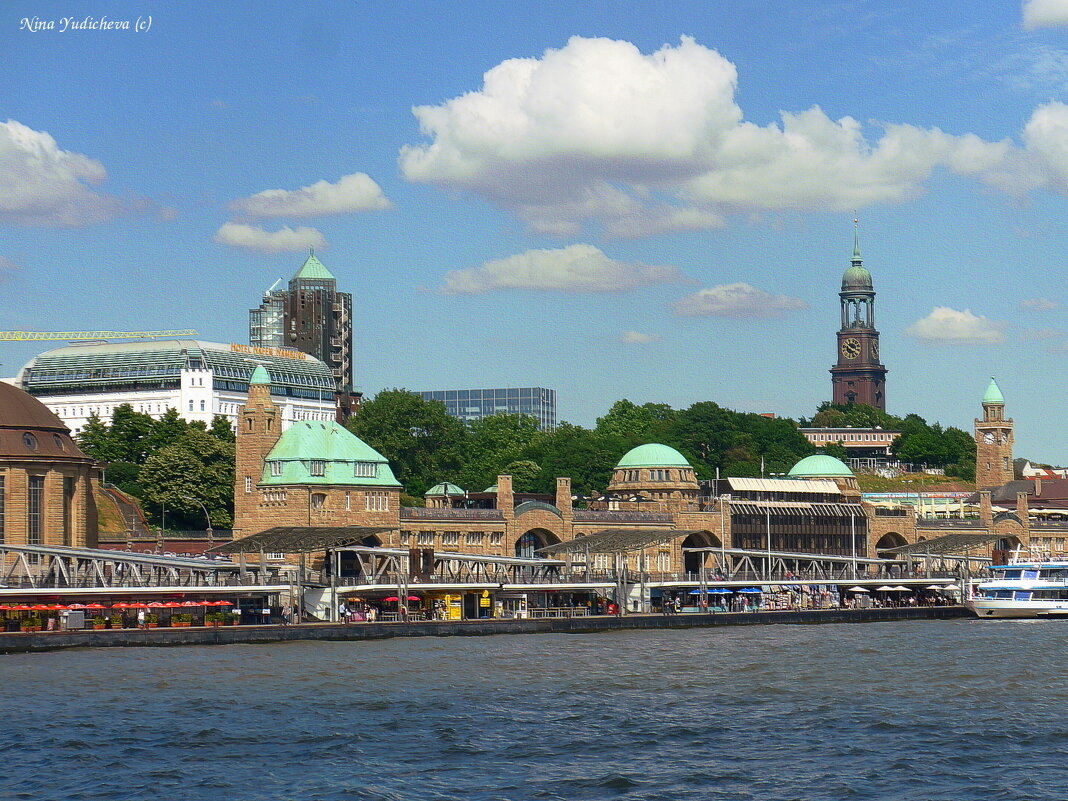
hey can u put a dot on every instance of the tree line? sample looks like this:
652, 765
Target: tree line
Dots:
176, 469
181, 469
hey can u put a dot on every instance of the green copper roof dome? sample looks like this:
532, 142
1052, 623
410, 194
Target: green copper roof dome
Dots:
260, 375
313, 268
491, 488
993, 393
820, 465
444, 488
318, 452
653, 455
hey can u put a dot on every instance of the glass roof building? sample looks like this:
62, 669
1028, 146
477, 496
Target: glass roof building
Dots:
199, 379
474, 404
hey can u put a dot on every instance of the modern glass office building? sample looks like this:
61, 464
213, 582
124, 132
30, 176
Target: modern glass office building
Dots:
474, 404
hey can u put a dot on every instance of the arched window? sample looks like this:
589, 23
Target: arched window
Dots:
318, 500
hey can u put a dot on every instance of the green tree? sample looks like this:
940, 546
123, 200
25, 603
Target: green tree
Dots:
585, 456
636, 424
836, 450
525, 474
492, 443
421, 440
196, 469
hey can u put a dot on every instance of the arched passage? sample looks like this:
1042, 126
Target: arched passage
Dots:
889, 540
1003, 548
532, 540
692, 562
348, 564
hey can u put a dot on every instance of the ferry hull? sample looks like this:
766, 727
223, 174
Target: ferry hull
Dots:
1003, 608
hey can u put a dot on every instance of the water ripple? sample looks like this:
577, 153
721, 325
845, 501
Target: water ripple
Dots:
939, 710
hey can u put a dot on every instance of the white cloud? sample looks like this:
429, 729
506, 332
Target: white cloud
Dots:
8, 268
737, 300
40, 184
284, 240
1038, 304
1045, 13
576, 268
639, 338
352, 193
598, 132
946, 326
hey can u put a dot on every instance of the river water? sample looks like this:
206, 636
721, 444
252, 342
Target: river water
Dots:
959, 710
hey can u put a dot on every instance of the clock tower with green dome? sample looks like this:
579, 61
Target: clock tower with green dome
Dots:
858, 376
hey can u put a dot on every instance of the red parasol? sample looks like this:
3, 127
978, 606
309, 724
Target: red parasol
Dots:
157, 605
192, 603
137, 606
172, 605
95, 606
391, 599
77, 606
40, 608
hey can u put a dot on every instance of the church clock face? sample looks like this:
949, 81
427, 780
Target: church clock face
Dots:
874, 347
851, 348
988, 437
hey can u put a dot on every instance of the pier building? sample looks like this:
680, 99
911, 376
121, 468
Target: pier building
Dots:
48, 487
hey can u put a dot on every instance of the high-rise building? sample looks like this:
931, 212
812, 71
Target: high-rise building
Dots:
311, 317
266, 325
859, 376
474, 404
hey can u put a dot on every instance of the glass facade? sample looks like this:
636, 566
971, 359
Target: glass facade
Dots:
266, 326
474, 404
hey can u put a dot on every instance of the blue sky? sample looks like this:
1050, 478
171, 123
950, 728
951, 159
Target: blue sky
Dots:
639, 199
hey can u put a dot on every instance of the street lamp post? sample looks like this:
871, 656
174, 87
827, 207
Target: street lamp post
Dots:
207, 517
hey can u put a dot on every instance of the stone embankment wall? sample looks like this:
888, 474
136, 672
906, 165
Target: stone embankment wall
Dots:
232, 635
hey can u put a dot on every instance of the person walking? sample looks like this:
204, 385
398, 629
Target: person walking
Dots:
141, 619
287, 614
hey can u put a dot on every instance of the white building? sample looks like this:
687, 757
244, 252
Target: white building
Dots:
199, 379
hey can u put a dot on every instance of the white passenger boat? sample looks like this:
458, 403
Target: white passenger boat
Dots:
1031, 589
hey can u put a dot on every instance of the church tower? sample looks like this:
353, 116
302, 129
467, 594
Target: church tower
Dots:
259, 425
858, 376
993, 441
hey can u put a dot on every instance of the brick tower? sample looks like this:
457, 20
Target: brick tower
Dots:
993, 441
258, 427
858, 376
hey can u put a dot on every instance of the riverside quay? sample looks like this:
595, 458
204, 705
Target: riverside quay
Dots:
320, 535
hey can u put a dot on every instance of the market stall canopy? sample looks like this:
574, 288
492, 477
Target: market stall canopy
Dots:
857, 589
300, 539
615, 540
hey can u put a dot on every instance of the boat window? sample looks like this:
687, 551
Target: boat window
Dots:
1012, 574
1023, 596
1030, 574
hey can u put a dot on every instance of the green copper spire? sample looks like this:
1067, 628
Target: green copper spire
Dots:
260, 375
993, 393
856, 276
314, 269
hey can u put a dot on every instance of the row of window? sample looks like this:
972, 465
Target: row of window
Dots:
634, 476
881, 438
452, 538
317, 467
372, 501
